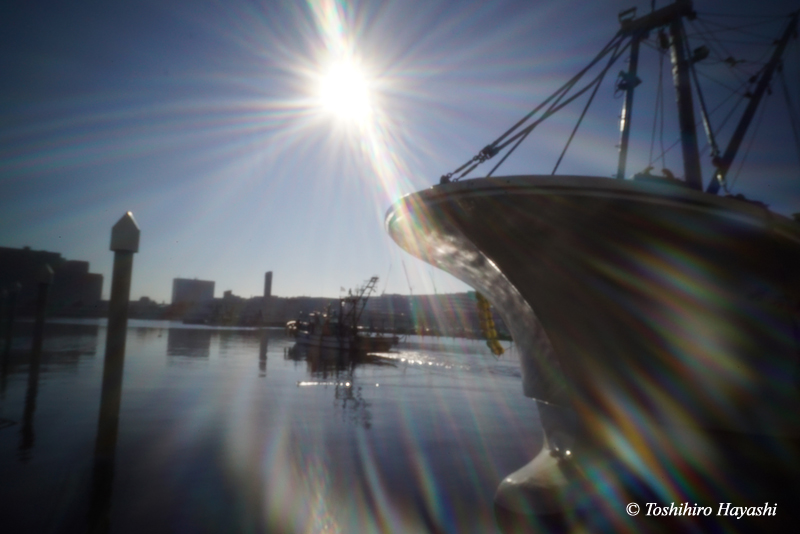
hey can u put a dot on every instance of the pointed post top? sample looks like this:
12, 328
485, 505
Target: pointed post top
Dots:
125, 234
45, 274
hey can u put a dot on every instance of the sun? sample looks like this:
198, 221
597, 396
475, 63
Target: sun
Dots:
344, 91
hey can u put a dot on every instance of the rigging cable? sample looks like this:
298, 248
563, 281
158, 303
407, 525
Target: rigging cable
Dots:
583, 114
613, 43
735, 16
740, 29
727, 57
703, 110
661, 127
709, 37
792, 114
721, 84
491, 150
520, 137
659, 96
750, 144
556, 106
721, 125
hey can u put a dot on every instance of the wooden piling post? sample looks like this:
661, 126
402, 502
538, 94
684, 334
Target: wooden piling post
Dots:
45, 279
124, 243
11, 309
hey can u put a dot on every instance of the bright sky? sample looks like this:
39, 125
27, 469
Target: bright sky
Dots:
248, 136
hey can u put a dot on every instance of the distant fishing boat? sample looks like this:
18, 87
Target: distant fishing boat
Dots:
339, 330
658, 322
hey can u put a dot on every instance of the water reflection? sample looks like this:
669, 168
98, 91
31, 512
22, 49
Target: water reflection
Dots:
4, 358
359, 443
189, 342
27, 433
337, 369
326, 363
62, 348
263, 347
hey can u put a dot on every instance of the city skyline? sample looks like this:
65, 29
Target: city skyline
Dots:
205, 120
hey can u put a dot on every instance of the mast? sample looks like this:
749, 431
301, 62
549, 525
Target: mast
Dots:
724, 164
628, 83
637, 29
683, 96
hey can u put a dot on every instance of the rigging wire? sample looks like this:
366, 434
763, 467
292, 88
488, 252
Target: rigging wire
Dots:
750, 144
732, 15
741, 92
659, 97
710, 41
492, 149
583, 114
659, 114
519, 137
792, 114
515, 135
750, 43
706, 76
661, 128
703, 110
739, 29
721, 125
613, 43
727, 57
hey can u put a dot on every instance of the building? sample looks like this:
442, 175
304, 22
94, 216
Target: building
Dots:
192, 291
268, 284
73, 288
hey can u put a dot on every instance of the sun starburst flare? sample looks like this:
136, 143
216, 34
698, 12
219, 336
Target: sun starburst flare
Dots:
348, 90
345, 91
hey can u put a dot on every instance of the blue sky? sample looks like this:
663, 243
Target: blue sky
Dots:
201, 118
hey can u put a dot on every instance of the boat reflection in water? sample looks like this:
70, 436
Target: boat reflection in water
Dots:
226, 430
336, 369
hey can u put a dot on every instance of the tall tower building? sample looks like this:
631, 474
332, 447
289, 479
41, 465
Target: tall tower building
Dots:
268, 284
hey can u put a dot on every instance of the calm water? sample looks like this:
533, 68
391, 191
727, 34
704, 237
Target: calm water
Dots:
234, 430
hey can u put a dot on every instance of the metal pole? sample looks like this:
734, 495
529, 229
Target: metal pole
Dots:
683, 95
724, 164
631, 81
